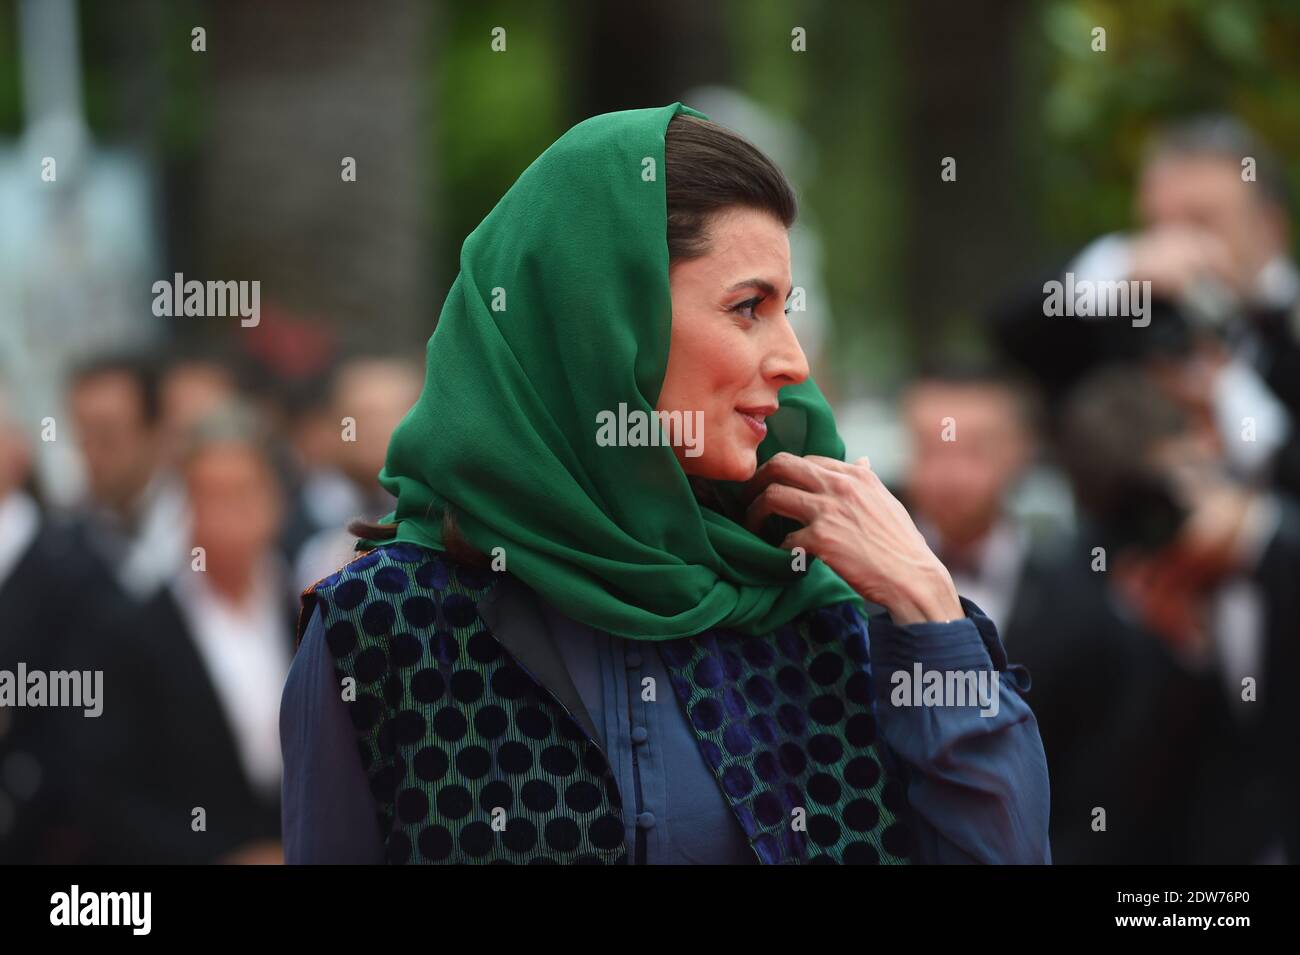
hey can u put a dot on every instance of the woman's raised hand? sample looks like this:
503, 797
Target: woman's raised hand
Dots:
859, 529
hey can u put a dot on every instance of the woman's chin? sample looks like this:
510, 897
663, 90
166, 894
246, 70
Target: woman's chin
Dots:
746, 467
738, 466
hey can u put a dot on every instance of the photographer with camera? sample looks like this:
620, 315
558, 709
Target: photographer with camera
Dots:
1214, 241
1196, 650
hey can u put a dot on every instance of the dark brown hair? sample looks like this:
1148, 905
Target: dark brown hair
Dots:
1111, 422
458, 548
707, 168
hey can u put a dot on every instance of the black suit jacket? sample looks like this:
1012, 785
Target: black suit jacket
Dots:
1126, 728
48, 591
1118, 717
162, 749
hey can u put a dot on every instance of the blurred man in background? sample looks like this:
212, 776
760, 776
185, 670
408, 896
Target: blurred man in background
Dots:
369, 398
133, 515
972, 438
37, 566
1165, 696
319, 495
1214, 241
184, 765
191, 387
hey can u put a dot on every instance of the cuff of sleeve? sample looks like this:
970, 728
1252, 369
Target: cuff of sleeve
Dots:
955, 644
971, 643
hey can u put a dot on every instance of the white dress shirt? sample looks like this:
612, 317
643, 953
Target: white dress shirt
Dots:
245, 650
19, 519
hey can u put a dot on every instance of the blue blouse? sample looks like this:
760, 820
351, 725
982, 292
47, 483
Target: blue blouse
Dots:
977, 784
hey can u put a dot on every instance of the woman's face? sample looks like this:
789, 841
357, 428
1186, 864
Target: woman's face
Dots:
732, 346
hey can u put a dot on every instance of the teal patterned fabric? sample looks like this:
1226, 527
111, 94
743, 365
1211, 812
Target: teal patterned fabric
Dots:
785, 723
471, 760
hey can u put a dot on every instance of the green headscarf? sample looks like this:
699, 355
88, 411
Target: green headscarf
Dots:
561, 311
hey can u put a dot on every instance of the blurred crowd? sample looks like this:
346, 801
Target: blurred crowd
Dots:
1160, 622
1162, 628
191, 463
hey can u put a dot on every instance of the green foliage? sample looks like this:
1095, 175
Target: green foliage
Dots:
840, 93
496, 111
11, 96
1164, 59
1083, 115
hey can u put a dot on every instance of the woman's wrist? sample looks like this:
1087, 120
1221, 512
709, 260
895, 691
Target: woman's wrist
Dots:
929, 599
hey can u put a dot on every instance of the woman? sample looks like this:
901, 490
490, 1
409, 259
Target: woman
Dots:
580, 637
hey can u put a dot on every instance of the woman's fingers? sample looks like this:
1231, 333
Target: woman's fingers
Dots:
783, 499
799, 538
812, 472
785, 468
834, 464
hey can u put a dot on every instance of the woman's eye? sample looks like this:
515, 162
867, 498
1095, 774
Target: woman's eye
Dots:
746, 308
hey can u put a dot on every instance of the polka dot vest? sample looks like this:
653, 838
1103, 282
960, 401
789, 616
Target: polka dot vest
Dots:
471, 760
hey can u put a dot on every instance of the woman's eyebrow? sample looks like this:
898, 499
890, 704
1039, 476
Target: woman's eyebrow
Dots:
761, 284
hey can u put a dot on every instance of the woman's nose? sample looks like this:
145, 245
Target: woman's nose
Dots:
786, 361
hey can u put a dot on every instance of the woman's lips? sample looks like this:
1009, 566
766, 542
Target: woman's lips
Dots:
755, 422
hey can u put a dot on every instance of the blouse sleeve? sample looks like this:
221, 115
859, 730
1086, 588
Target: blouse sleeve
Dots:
976, 775
328, 814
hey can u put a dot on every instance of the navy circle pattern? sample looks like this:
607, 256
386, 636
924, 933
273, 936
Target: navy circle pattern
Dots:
789, 728
454, 735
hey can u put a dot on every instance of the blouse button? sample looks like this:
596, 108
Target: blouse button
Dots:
640, 734
645, 820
